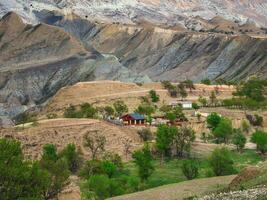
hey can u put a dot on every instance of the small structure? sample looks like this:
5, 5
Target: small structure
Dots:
133, 119
183, 104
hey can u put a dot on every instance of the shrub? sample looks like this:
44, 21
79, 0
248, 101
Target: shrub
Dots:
145, 134
153, 95
206, 81
239, 140
223, 131
221, 162
190, 169
260, 139
145, 109
72, 156
115, 159
143, 159
213, 120
120, 107
91, 168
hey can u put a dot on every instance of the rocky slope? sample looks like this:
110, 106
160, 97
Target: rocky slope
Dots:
173, 54
168, 12
36, 61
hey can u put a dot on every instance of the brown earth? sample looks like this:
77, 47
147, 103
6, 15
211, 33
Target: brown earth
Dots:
61, 132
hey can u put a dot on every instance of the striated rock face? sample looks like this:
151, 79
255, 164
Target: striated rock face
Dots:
170, 12
165, 54
36, 61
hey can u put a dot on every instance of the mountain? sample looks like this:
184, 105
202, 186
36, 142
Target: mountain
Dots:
36, 61
167, 12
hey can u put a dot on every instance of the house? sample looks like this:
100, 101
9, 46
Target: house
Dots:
183, 104
133, 119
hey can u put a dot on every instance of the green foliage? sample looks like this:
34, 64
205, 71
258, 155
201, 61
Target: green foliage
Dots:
245, 126
88, 111
213, 120
20, 179
57, 167
164, 139
72, 156
203, 101
221, 162
182, 91
252, 89
145, 109
195, 106
170, 116
223, 131
92, 167
258, 121
109, 111
206, 81
109, 168
245, 103
189, 84
239, 140
143, 159
165, 108
190, 169
154, 96
145, 134
213, 98
120, 107
260, 139
182, 140
170, 87
115, 159
71, 112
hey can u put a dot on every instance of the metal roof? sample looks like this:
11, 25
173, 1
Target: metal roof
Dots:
137, 116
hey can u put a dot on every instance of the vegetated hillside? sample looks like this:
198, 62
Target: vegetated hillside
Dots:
165, 54
36, 61
102, 93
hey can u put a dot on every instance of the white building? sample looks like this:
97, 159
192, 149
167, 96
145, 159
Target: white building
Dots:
184, 104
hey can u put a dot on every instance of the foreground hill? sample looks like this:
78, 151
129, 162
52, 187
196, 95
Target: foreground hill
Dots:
62, 132
36, 61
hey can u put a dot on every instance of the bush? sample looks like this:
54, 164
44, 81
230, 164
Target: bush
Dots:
206, 81
91, 168
143, 159
120, 107
190, 169
239, 140
223, 131
153, 95
221, 162
260, 139
145, 134
73, 157
213, 120
145, 109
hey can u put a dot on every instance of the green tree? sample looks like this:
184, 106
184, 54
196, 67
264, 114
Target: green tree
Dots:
109, 111
203, 101
223, 130
190, 169
120, 107
221, 162
20, 179
143, 159
171, 116
182, 91
154, 96
109, 168
213, 98
239, 140
183, 139
88, 111
145, 109
189, 84
213, 120
206, 81
260, 139
73, 157
71, 112
164, 139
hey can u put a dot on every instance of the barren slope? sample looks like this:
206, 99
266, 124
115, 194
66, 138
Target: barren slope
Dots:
65, 131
